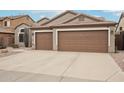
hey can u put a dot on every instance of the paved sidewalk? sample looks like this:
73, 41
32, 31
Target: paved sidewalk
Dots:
119, 59
118, 77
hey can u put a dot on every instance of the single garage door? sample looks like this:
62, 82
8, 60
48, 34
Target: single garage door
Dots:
84, 41
44, 41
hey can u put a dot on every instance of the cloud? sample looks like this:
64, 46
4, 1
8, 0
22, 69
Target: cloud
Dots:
42, 16
56, 11
46, 13
114, 12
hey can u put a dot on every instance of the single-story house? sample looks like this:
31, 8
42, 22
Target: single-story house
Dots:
72, 31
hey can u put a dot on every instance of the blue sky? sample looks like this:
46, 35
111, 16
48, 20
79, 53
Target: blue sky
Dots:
38, 14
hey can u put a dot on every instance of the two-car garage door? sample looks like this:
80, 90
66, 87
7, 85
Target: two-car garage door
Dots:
86, 41
80, 41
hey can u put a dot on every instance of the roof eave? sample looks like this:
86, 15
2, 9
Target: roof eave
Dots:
43, 19
8, 32
81, 25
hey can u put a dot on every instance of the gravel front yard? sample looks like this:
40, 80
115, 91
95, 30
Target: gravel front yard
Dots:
119, 59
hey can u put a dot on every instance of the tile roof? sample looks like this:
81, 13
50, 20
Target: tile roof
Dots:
12, 17
6, 30
100, 21
45, 18
77, 25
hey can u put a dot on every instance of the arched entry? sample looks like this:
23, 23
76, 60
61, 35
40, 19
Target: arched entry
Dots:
23, 36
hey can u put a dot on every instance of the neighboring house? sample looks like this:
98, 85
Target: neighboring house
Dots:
120, 33
43, 20
6, 38
13, 27
72, 31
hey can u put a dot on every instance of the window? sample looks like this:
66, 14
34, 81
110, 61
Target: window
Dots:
120, 28
21, 37
7, 23
22, 30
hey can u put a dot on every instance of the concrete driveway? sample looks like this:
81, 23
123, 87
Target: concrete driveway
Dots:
45, 66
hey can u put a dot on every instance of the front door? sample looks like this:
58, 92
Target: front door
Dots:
21, 39
24, 38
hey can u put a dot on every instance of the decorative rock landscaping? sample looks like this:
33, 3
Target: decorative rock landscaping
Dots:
11, 51
3, 50
6, 52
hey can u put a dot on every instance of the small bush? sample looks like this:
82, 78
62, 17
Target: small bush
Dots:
2, 46
4, 51
14, 46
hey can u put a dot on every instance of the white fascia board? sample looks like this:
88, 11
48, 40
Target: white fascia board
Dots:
83, 29
73, 29
36, 31
86, 29
39, 31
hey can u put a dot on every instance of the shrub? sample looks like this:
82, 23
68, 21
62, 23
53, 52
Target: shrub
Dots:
2, 46
4, 50
14, 46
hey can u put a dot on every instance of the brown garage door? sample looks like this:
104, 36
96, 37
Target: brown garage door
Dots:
44, 41
86, 41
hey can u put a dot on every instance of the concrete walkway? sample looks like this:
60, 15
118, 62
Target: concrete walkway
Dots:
56, 66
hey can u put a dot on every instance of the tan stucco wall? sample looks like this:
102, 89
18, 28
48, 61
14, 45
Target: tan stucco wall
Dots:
19, 21
55, 40
6, 19
0, 23
111, 48
16, 22
121, 24
17, 32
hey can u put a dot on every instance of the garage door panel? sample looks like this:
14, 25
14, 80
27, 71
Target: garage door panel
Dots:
44, 41
86, 41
